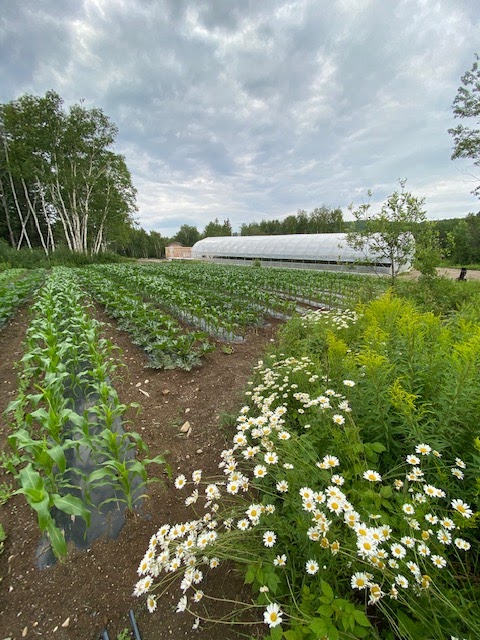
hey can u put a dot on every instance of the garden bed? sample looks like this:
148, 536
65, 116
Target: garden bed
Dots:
92, 589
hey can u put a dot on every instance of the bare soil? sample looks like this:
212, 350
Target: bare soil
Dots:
92, 590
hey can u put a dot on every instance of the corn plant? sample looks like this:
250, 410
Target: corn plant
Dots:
66, 418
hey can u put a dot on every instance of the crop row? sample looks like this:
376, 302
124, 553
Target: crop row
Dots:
273, 287
68, 441
168, 345
220, 313
16, 286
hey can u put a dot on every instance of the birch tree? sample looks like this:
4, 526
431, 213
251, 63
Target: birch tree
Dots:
61, 173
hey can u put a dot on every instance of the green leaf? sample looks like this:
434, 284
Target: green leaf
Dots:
276, 633
319, 627
386, 492
325, 610
272, 581
327, 590
332, 632
57, 539
77, 420
100, 474
71, 505
31, 479
57, 454
361, 618
161, 461
42, 509
378, 447
250, 575
40, 415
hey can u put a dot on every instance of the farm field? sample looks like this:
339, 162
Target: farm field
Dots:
94, 587
190, 338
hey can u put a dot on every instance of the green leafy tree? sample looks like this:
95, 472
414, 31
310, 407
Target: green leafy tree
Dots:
465, 238
187, 235
325, 220
428, 251
215, 229
391, 233
467, 106
61, 173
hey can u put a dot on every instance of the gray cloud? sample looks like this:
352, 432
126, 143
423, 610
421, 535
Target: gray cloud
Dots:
247, 109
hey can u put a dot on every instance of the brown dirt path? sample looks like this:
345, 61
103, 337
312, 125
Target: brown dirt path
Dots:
450, 273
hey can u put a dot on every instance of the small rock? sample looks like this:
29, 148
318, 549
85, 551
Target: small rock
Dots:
165, 392
185, 427
24, 632
139, 384
66, 622
187, 410
145, 393
199, 450
146, 381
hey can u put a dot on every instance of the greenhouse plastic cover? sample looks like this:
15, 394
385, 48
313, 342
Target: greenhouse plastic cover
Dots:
311, 246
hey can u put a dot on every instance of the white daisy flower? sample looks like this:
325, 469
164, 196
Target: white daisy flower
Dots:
462, 507
269, 538
272, 615
180, 481
311, 567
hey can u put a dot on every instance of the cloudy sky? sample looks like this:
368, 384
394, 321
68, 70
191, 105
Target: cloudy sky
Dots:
252, 109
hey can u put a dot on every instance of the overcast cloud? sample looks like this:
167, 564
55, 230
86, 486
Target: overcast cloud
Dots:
251, 109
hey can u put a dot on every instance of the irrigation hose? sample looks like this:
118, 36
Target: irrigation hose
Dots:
105, 635
136, 632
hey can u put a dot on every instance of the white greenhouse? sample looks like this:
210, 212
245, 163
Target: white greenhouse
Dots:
324, 251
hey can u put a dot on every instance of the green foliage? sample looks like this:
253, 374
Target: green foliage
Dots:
215, 229
15, 289
441, 295
321, 220
66, 360
61, 181
390, 234
188, 235
167, 345
467, 105
351, 492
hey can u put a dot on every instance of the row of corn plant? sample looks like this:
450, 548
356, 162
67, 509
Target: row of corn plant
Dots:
220, 314
66, 410
16, 286
167, 343
350, 491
